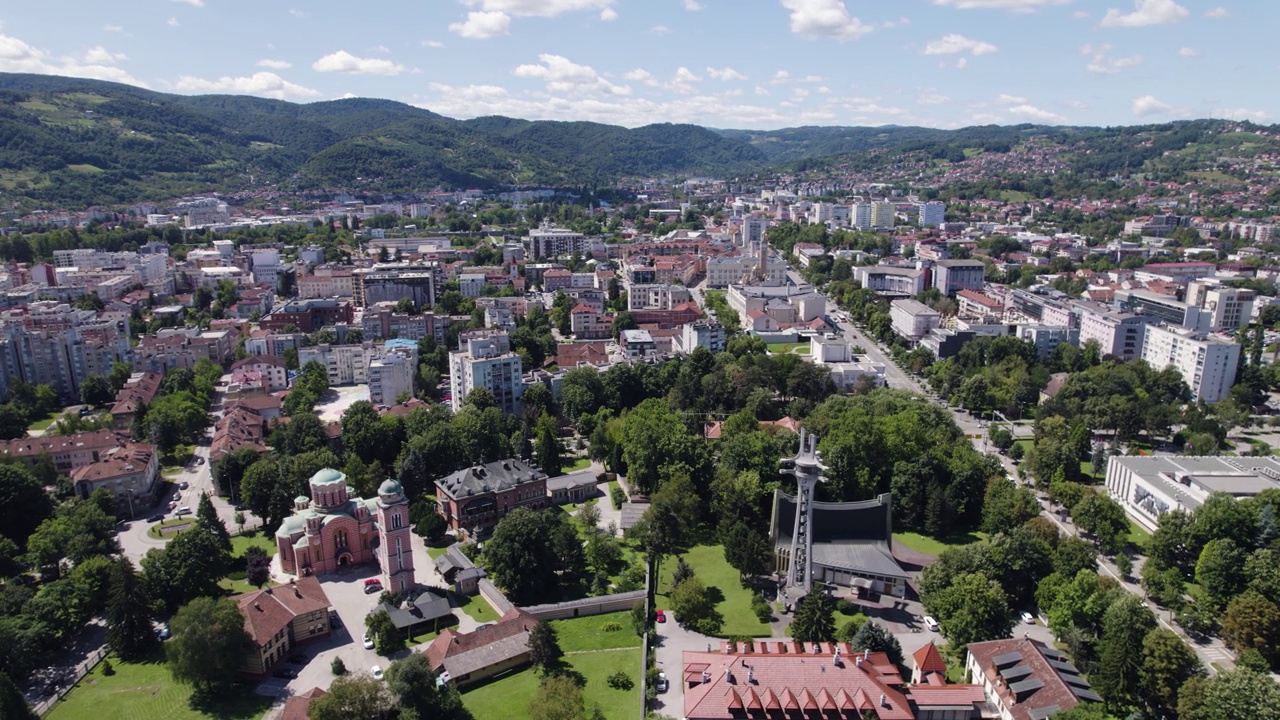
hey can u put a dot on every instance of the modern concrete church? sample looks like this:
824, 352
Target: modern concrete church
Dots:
330, 530
850, 543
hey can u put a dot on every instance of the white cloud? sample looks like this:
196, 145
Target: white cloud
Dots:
172, 22
346, 63
192, 3
932, 99
1077, 105
1103, 64
1241, 114
954, 44
824, 18
1014, 5
1188, 52
1080, 14
112, 27
692, 5
102, 56
538, 8
782, 77
761, 90
299, 13
563, 75
262, 84
275, 64
1217, 12
608, 14
659, 30
1035, 114
432, 43
962, 63
1145, 12
643, 76
725, 74
1148, 105
381, 49
19, 57
685, 81
1004, 99
482, 25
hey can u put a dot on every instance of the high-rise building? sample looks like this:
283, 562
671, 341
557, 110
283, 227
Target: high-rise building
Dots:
552, 242
883, 215
1118, 334
933, 214
391, 375
1206, 363
1229, 308
861, 213
485, 360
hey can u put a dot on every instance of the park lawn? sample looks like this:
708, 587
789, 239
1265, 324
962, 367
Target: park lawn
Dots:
253, 538
508, 697
581, 463
935, 546
801, 348
589, 633
435, 552
734, 602
45, 422
160, 530
1138, 536
146, 691
477, 608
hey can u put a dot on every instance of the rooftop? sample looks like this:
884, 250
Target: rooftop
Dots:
497, 476
1032, 680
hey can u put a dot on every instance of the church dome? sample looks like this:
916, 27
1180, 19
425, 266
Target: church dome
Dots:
390, 487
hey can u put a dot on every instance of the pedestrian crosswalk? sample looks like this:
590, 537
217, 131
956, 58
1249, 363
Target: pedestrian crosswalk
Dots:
1216, 654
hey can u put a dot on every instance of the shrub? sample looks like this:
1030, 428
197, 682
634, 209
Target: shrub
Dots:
621, 681
611, 627
764, 613
107, 669
338, 667
617, 497
844, 607
706, 625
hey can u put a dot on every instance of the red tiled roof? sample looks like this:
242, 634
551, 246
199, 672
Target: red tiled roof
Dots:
946, 694
266, 612
929, 660
298, 707
1054, 691
449, 642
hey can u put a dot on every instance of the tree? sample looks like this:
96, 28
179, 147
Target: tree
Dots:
188, 567
872, 636
691, 605
973, 609
813, 621
657, 445
419, 694
429, 524
1221, 570
96, 390
13, 706
1171, 545
667, 527
1239, 694
1103, 518
1073, 555
229, 470
747, 551
257, 566
547, 445
559, 698
23, 503
207, 645
521, 556
681, 572
363, 432
544, 647
207, 520
1263, 570
1007, 506
1252, 621
267, 492
129, 631
1167, 664
387, 640
354, 696
1124, 627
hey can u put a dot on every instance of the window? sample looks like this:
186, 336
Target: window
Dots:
396, 521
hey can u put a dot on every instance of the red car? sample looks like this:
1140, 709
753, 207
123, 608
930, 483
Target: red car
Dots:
660, 616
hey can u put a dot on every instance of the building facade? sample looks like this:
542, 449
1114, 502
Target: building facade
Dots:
913, 319
486, 361
1207, 363
476, 498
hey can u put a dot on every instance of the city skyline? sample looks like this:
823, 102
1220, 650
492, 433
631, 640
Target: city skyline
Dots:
753, 64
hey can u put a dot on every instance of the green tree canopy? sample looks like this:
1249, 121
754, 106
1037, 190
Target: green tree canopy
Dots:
208, 644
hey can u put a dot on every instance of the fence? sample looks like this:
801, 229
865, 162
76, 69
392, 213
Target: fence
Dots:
587, 606
44, 706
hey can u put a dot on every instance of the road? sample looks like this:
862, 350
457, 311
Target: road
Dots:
1213, 653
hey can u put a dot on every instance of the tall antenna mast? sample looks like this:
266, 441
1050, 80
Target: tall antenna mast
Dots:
807, 467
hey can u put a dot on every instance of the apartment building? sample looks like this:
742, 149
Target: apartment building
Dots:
1047, 338
308, 315
385, 283
344, 364
1228, 308
327, 282
952, 276
552, 242
707, 333
1119, 334
383, 323
883, 215
391, 375
1207, 363
486, 360
933, 214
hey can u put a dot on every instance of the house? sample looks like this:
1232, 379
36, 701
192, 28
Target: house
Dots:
571, 355
129, 472
478, 496
279, 618
576, 487
466, 658
239, 427
424, 613
139, 391
271, 367
1023, 679
458, 570
927, 661
298, 707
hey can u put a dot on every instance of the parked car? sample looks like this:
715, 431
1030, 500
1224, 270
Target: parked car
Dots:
184, 510
183, 485
930, 624
660, 616
376, 672
155, 518
372, 585
1028, 618
163, 632
367, 642
662, 682
335, 622
299, 658
285, 674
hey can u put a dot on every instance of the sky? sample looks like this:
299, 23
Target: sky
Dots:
752, 64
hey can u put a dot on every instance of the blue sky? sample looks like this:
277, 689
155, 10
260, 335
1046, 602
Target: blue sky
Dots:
724, 63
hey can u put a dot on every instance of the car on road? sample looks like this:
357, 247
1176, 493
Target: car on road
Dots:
155, 518
663, 685
184, 510
184, 485
376, 672
660, 616
367, 642
930, 624
1028, 618
199, 460
285, 674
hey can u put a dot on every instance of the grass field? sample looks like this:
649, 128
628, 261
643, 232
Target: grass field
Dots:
935, 546
44, 423
146, 691
581, 463
734, 601
590, 650
800, 348
172, 526
435, 552
478, 608
508, 697
1138, 536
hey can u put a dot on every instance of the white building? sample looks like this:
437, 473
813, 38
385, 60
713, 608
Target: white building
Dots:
392, 375
887, 280
883, 215
913, 319
702, 333
1229, 308
1207, 363
952, 276
847, 369
1118, 334
552, 242
486, 361
1149, 486
753, 229
933, 214
266, 266
861, 216
344, 364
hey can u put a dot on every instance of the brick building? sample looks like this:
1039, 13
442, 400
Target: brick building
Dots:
479, 496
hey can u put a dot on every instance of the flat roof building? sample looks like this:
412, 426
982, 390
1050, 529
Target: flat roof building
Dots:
1150, 486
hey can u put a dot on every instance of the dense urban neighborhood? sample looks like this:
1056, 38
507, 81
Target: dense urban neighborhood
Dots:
958, 428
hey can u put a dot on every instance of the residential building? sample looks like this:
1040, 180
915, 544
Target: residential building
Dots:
1024, 679
391, 375
139, 391
486, 360
753, 230
333, 529
308, 315
883, 215
791, 678
279, 618
933, 214
587, 323
467, 658
266, 266
271, 368
344, 364
68, 452
548, 242
381, 322
1228, 308
952, 276
477, 497
706, 333
860, 216
1047, 338
268, 343
575, 487
974, 304
327, 281
1164, 308
128, 471
1207, 363
391, 283
913, 319
1118, 334
656, 296
1152, 485
637, 343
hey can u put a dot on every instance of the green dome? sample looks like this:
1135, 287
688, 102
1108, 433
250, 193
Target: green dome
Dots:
390, 487
327, 476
